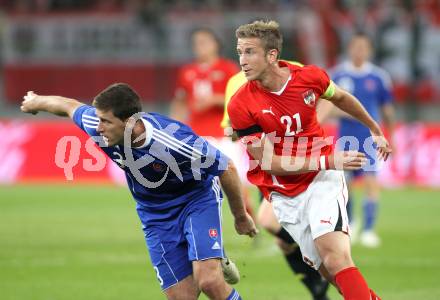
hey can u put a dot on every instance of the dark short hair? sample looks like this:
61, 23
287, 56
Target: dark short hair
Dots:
119, 98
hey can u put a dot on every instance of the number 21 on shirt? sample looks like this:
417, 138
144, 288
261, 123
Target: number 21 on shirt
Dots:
287, 120
289, 132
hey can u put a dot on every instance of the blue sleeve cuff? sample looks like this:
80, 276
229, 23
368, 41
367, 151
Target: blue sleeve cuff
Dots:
77, 115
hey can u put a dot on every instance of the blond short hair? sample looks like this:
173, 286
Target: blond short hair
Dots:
267, 31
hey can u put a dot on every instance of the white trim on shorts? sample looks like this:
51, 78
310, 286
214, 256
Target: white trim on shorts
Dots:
172, 272
194, 238
217, 190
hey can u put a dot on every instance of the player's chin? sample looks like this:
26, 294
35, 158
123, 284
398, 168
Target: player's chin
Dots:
249, 75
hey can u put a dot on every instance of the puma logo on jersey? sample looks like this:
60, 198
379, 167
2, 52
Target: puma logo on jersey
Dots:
268, 111
326, 221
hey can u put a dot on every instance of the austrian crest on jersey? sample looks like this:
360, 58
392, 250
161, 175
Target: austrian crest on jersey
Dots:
309, 98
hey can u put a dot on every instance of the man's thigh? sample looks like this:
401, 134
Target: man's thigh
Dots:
267, 218
203, 231
209, 267
313, 213
169, 255
185, 289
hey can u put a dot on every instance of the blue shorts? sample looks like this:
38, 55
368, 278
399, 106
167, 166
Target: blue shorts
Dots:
350, 175
194, 233
371, 166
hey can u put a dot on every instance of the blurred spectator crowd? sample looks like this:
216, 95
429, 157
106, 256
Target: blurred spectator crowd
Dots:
406, 33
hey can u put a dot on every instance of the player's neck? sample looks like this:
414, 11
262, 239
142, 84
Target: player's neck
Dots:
358, 64
275, 78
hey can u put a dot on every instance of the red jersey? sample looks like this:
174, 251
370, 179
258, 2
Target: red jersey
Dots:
198, 82
290, 114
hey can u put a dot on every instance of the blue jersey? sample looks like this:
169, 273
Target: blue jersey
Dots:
372, 86
173, 178
173, 167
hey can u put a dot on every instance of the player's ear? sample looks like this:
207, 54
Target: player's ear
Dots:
272, 56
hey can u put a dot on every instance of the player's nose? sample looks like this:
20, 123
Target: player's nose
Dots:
99, 129
243, 61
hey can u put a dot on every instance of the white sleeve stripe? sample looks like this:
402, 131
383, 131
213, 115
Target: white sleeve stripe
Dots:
169, 143
185, 154
176, 141
234, 296
89, 126
92, 118
90, 122
177, 149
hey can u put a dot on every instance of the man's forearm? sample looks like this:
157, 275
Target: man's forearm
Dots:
349, 104
389, 119
292, 165
57, 105
285, 165
231, 185
280, 165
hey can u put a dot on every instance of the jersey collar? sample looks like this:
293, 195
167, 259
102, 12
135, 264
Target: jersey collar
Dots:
283, 87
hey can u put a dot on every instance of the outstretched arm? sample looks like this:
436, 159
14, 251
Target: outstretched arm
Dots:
231, 185
263, 153
349, 104
56, 105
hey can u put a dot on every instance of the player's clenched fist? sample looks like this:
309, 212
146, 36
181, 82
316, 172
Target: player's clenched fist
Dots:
29, 104
347, 160
245, 225
61, 106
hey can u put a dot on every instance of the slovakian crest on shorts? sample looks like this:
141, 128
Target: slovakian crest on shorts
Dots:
213, 233
309, 98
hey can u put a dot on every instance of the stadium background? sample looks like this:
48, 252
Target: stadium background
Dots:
80, 239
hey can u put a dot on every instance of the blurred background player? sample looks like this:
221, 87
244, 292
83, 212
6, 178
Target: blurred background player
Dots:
311, 278
181, 215
372, 86
200, 95
200, 91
